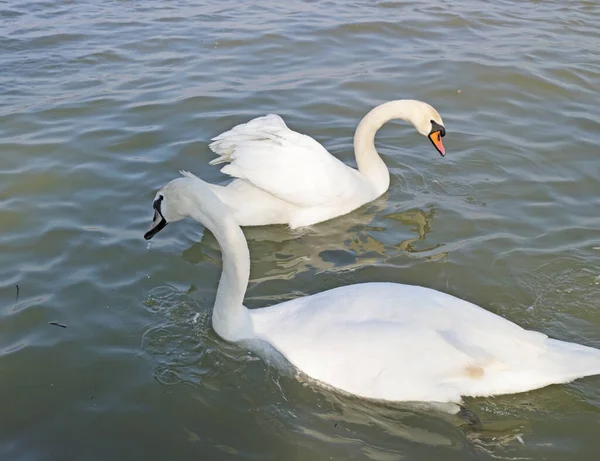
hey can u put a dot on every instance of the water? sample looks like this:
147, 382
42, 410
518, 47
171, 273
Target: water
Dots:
101, 103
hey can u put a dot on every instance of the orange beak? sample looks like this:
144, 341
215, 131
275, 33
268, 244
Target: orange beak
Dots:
436, 139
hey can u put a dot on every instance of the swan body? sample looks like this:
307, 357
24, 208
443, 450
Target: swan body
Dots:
383, 341
284, 177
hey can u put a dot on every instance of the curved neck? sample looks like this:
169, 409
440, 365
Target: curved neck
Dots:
368, 160
230, 319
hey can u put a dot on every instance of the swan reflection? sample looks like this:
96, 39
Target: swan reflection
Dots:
342, 244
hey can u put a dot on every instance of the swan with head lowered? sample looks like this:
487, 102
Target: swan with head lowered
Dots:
384, 341
284, 177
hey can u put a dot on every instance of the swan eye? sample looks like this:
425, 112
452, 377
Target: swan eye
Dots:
158, 220
156, 204
436, 127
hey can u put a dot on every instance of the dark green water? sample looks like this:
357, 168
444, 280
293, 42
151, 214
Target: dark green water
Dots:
103, 102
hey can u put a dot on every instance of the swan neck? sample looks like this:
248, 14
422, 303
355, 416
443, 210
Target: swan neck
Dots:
368, 160
231, 319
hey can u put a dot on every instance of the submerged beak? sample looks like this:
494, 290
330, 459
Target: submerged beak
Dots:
436, 139
158, 221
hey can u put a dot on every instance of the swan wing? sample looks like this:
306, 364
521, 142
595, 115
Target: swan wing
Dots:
400, 342
289, 165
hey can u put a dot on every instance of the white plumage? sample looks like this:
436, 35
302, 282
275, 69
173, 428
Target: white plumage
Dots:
384, 341
288, 165
284, 177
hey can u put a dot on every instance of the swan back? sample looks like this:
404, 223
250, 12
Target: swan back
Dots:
288, 165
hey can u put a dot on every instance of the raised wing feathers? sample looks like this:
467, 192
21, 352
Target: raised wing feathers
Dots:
289, 165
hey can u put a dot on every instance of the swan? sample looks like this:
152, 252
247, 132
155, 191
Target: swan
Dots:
284, 177
382, 341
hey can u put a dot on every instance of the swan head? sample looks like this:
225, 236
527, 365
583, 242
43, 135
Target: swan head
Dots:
178, 200
169, 206
184, 198
428, 122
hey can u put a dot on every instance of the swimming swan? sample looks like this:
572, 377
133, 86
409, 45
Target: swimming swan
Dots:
382, 341
284, 177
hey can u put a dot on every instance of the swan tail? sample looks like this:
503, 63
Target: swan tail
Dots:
570, 361
562, 362
187, 174
558, 362
221, 159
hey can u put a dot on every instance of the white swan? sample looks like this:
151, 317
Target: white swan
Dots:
383, 341
284, 177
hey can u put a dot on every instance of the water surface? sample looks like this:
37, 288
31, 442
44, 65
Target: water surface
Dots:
103, 102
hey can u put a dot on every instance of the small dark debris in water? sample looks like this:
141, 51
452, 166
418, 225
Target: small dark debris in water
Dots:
56, 324
335, 425
17, 293
92, 397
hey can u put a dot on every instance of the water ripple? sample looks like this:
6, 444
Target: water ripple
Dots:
95, 116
